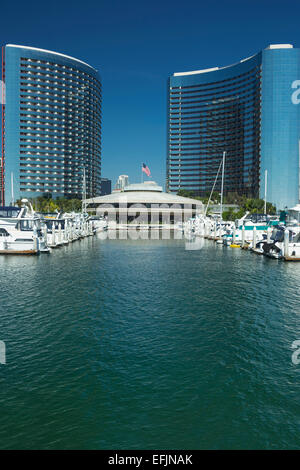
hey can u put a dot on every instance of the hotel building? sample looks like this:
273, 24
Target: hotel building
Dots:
251, 111
51, 125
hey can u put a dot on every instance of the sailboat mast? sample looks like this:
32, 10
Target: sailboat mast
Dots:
212, 190
84, 192
266, 186
12, 189
222, 186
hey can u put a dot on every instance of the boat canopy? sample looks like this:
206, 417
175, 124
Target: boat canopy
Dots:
9, 211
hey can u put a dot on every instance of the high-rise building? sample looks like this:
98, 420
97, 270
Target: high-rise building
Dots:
105, 186
51, 125
122, 181
251, 111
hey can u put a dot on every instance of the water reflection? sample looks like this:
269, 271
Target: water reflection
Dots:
141, 233
194, 243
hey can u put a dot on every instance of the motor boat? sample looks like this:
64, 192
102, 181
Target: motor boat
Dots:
22, 238
21, 229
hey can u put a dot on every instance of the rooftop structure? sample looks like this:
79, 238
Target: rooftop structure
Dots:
146, 198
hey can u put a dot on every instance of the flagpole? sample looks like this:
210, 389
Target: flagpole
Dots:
142, 179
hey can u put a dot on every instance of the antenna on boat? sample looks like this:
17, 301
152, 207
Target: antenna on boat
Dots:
266, 186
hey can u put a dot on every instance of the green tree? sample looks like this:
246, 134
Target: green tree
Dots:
216, 197
256, 205
61, 204
186, 193
233, 214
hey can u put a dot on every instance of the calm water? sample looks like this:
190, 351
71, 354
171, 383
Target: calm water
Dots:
143, 345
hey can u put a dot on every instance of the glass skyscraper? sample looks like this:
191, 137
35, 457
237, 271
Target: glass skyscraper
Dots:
51, 125
249, 110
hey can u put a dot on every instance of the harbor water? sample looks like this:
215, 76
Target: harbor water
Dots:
122, 344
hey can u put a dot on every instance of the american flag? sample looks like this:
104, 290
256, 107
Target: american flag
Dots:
146, 170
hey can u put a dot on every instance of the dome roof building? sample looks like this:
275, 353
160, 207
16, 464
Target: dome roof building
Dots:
145, 203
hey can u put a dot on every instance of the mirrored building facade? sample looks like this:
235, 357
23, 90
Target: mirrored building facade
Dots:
51, 125
248, 110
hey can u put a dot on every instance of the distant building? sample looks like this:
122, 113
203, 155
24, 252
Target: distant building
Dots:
251, 110
105, 186
147, 201
51, 124
122, 181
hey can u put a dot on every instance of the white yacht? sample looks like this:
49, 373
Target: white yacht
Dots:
20, 237
99, 223
21, 230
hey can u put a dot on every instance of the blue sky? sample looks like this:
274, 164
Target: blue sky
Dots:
136, 45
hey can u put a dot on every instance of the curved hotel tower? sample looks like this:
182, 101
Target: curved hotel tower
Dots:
250, 110
51, 125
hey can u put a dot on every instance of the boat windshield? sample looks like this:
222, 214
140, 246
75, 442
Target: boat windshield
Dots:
56, 223
25, 225
10, 212
296, 238
277, 235
256, 218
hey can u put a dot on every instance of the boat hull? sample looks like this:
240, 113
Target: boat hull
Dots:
19, 252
